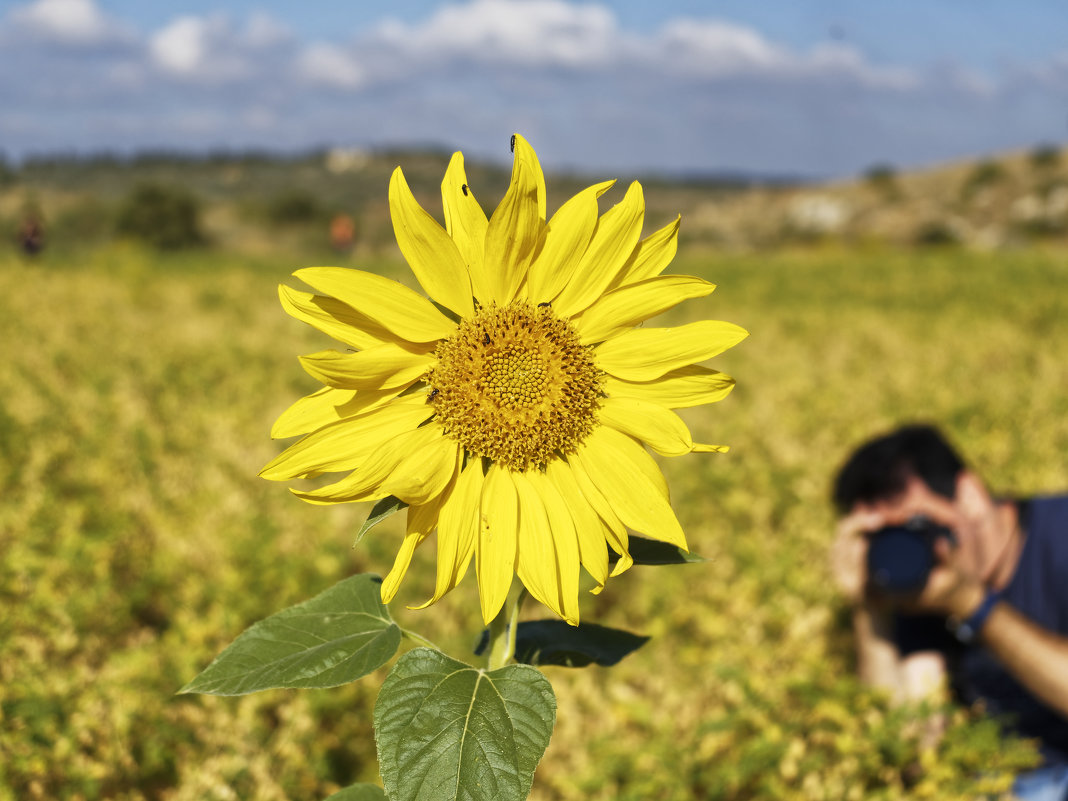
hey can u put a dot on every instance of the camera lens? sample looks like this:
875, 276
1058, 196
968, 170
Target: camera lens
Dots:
899, 560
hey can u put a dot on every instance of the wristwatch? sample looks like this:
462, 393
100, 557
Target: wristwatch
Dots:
967, 630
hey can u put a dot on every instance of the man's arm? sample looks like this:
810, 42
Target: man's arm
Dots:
1037, 658
879, 663
916, 677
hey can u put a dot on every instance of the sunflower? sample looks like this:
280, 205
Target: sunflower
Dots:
509, 409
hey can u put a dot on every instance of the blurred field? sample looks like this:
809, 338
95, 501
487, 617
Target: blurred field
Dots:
136, 393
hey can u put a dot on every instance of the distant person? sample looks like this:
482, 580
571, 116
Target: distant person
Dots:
342, 233
31, 233
991, 616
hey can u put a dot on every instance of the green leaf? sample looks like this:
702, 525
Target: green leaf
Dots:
379, 512
359, 792
554, 642
448, 731
336, 637
654, 552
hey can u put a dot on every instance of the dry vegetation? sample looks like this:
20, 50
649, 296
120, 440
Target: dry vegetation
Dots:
136, 395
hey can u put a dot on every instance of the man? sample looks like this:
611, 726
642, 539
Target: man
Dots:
992, 618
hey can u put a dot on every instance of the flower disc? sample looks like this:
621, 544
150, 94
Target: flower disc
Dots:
515, 385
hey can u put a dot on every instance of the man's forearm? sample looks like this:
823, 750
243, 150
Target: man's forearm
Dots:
1036, 657
878, 662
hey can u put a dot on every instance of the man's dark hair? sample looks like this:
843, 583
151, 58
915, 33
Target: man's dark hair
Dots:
879, 469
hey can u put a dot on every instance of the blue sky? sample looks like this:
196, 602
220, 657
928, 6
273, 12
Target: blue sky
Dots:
826, 87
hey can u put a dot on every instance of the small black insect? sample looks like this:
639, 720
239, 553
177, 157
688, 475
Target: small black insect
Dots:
433, 394
544, 304
485, 339
465, 190
512, 145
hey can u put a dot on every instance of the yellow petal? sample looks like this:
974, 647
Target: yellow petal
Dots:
613, 243
566, 238
391, 583
516, 227
622, 470
625, 307
700, 447
327, 406
466, 223
345, 444
548, 556
407, 314
496, 547
333, 318
313, 411
658, 427
615, 533
522, 150
643, 354
424, 473
681, 388
421, 521
384, 366
653, 254
429, 250
593, 550
366, 483
458, 525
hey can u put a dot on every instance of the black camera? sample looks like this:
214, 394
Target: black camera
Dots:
900, 558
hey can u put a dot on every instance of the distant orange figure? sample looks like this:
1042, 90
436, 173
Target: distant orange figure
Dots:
342, 233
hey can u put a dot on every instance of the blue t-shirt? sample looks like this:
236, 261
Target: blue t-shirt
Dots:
1039, 591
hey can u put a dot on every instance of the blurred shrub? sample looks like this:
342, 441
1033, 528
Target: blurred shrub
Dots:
934, 233
983, 175
1042, 227
86, 222
165, 217
883, 179
7, 172
1045, 157
294, 207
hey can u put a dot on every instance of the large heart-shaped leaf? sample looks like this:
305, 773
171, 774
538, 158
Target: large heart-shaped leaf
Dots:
447, 731
336, 637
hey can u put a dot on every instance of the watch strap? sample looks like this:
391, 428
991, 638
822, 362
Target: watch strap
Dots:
967, 630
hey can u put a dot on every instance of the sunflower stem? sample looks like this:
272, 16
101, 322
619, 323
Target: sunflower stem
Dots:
419, 638
503, 629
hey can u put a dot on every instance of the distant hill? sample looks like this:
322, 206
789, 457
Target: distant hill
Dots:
256, 201
985, 203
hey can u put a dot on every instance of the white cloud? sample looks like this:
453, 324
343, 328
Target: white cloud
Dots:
717, 50
330, 65
526, 32
586, 38
212, 50
262, 31
714, 47
66, 21
182, 46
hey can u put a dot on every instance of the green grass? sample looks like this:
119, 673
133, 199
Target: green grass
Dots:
136, 541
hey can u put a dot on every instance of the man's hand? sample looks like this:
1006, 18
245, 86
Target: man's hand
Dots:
951, 589
850, 551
